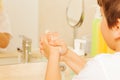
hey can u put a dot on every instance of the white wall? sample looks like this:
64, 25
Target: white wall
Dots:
86, 28
24, 19
53, 18
26, 15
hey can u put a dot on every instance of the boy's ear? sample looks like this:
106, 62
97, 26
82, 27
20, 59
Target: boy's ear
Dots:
118, 23
117, 26
117, 29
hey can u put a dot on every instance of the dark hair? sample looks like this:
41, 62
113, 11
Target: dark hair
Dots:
111, 10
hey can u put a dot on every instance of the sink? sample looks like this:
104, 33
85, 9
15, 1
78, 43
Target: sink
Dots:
8, 61
29, 71
14, 57
11, 67
34, 70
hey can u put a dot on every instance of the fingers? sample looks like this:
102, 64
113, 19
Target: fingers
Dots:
52, 36
43, 42
60, 44
56, 42
52, 39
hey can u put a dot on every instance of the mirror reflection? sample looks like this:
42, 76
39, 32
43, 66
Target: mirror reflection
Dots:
24, 20
19, 18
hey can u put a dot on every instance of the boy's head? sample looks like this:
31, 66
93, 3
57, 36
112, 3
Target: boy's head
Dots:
111, 10
110, 24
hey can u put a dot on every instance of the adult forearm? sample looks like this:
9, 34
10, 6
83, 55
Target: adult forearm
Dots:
4, 40
75, 62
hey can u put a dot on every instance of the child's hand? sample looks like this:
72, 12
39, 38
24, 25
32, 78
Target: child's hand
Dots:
54, 45
54, 40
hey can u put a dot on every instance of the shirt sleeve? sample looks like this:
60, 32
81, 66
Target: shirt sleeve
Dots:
92, 71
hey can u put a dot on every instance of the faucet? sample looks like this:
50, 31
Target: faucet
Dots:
26, 48
26, 45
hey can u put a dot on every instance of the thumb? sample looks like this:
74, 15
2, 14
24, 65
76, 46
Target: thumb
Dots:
44, 41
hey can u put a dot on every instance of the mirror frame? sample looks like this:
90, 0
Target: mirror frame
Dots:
81, 19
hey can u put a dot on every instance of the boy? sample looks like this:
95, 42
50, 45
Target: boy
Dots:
101, 67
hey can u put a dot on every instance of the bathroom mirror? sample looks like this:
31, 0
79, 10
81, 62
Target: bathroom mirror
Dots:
23, 18
75, 12
31, 18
